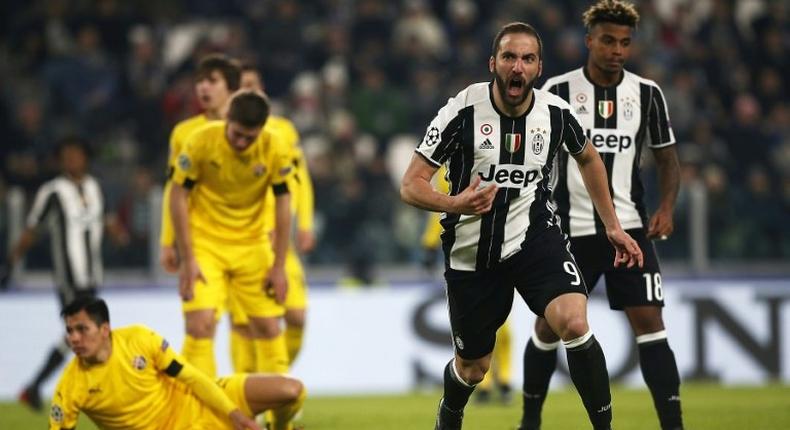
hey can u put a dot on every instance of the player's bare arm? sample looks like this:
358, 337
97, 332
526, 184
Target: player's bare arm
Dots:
668, 169
594, 175
416, 190
277, 280
189, 270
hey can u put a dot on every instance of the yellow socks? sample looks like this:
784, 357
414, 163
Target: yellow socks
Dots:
200, 353
271, 355
242, 352
293, 342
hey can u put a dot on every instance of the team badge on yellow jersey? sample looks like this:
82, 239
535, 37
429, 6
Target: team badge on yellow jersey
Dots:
139, 362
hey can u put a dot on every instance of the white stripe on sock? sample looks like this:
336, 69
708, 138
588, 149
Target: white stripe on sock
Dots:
652, 337
544, 346
579, 341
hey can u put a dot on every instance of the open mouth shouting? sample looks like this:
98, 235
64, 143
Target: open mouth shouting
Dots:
515, 87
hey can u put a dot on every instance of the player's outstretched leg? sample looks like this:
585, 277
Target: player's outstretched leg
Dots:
540, 360
567, 316
457, 390
659, 368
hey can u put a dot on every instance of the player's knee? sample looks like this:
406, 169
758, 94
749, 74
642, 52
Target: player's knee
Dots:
295, 319
645, 319
267, 328
201, 327
473, 372
574, 327
544, 331
292, 389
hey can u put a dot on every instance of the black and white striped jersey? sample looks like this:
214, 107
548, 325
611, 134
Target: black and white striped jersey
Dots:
74, 215
618, 120
470, 136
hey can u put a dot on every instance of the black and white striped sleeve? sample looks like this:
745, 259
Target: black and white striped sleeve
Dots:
44, 200
659, 127
443, 135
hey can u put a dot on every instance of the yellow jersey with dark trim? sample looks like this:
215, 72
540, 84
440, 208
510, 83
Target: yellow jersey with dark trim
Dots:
226, 203
130, 391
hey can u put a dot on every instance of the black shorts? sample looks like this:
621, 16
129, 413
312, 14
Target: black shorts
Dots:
480, 301
637, 286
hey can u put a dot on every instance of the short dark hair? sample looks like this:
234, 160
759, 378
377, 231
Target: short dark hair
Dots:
73, 142
250, 67
611, 11
516, 27
95, 307
249, 108
229, 68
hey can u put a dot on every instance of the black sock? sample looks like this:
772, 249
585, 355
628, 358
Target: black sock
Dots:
539, 365
456, 394
587, 366
661, 375
52, 364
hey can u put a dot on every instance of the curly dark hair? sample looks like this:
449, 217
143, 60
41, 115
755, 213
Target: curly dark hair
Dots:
613, 11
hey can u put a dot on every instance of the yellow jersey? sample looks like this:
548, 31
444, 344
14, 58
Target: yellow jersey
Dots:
178, 136
131, 390
431, 237
226, 203
300, 185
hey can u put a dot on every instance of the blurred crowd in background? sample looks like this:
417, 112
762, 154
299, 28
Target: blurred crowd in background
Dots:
361, 79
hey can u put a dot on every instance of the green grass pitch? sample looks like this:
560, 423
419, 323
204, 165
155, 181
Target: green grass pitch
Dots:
706, 407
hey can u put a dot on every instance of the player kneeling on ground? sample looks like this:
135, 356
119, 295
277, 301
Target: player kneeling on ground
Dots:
130, 378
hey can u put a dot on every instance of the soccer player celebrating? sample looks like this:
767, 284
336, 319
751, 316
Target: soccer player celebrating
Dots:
301, 188
621, 113
498, 140
216, 78
225, 169
130, 378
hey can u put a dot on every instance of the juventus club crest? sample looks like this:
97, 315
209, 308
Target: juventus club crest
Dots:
628, 108
512, 142
538, 140
605, 108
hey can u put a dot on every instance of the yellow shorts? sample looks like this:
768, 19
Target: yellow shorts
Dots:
234, 272
297, 290
233, 386
189, 413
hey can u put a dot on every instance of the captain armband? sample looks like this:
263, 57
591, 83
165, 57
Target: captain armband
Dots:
173, 369
280, 189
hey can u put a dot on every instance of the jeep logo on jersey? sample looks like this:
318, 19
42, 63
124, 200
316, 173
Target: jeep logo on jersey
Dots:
605, 108
610, 139
512, 142
509, 175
